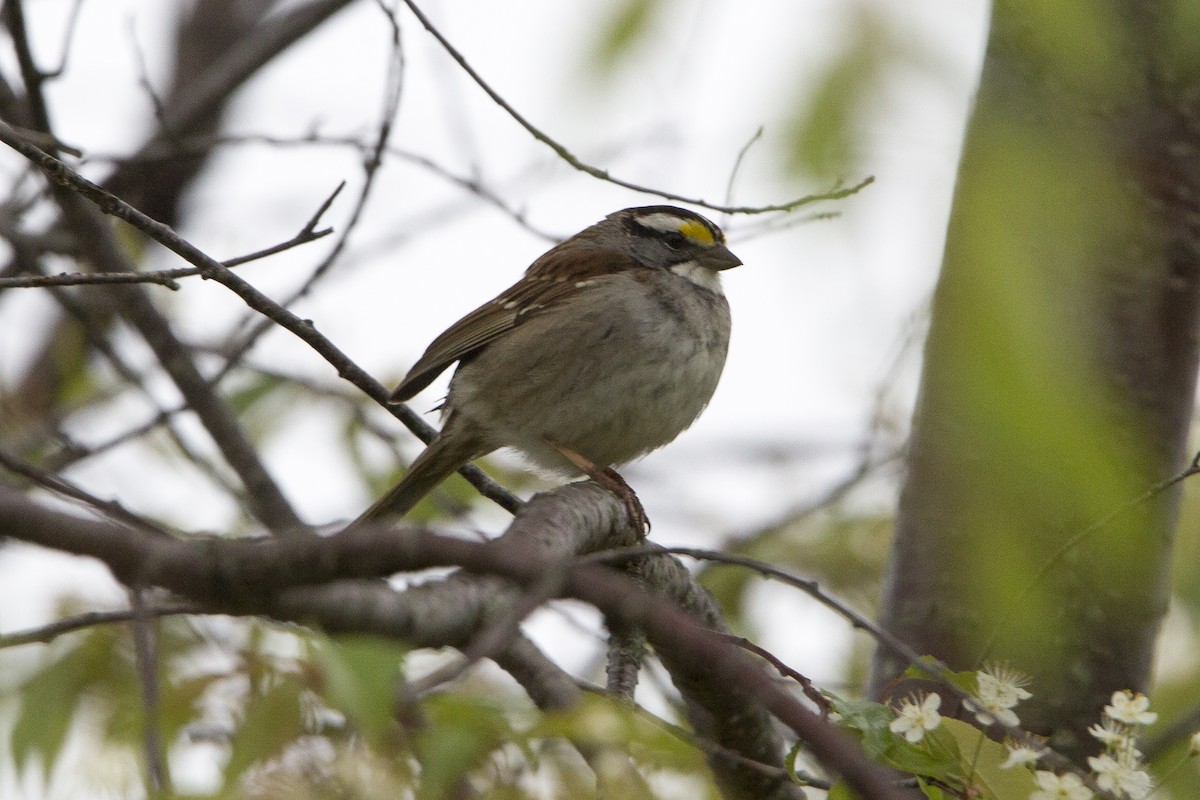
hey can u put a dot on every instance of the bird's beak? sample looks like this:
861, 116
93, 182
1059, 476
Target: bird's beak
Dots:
720, 258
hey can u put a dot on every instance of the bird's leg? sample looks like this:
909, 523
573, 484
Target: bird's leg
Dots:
611, 480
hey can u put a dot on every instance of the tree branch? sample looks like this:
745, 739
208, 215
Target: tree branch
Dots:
837, 192
210, 268
167, 277
254, 576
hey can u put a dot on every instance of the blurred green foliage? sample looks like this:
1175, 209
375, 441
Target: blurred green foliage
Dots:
629, 23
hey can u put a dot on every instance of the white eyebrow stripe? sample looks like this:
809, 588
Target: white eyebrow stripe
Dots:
662, 221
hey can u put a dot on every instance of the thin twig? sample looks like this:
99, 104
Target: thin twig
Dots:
737, 164
371, 166
73, 452
61, 486
1075, 540
161, 277
68, 35
202, 144
156, 102
306, 234
836, 192
497, 635
934, 668
145, 640
210, 268
167, 277
806, 685
47, 633
47, 141
809, 587
1127, 506
14, 12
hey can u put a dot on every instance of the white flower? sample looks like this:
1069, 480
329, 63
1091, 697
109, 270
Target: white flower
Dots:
1194, 744
997, 691
987, 714
917, 715
1060, 787
1111, 734
1020, 754
1130, 708
1120, 776
998, 684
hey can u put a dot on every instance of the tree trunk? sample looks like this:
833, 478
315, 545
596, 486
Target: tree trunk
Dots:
1060, 367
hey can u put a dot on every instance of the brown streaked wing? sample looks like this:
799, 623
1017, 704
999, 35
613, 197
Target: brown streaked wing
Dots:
464, 337
554, 276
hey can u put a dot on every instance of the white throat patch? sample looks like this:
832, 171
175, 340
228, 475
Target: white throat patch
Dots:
701, 276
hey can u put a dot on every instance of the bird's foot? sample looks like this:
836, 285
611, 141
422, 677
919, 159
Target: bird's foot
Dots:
611, 480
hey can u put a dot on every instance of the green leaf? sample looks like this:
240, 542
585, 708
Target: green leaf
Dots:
51, 698
460, 733
262, 402
967, 680
870, 720
981, 764
180, 703
605, 721
842, 791
360, 675
629, 23
254, 390
825, 135
931, 791
271, 721
915, 760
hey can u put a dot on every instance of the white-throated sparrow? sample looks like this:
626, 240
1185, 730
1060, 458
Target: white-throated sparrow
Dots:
609, 347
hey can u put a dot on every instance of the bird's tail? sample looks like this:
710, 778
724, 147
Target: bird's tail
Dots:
441, 458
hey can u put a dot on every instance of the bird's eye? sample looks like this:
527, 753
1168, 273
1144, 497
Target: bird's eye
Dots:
674, 240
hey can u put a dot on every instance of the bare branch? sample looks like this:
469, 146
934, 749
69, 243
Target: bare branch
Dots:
809, 587
198, 144
161, 277
308, 233
737, 164
373, 162
47, 141
806, 685
212, 269
14, 14
932, 667
625, 654
68, 37
836, 192
145, 639
61, 486
252, 576
263, 496
48, 633
167, 277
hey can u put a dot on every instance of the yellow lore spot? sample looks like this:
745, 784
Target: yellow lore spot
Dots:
696, 231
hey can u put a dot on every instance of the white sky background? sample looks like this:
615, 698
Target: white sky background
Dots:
820, 310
